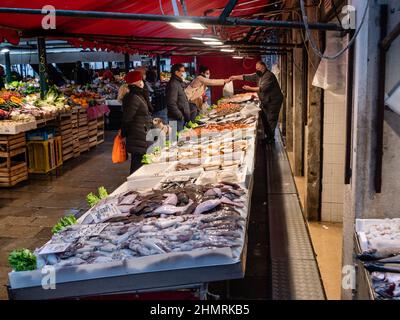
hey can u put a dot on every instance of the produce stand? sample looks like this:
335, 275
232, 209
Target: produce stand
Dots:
77, 116
173, 270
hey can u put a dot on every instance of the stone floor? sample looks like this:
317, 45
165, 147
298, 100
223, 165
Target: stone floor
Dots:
29, 210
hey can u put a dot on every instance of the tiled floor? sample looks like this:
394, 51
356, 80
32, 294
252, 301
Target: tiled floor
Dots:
29, 210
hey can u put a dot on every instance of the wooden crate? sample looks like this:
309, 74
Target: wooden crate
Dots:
10, 143
100, 129
12, 171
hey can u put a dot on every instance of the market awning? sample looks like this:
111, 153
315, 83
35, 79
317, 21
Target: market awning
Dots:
132, 36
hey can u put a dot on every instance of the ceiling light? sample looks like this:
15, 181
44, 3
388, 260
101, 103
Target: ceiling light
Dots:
4, 50
205, 38
213, 43
227, 50
237, 57
188, 25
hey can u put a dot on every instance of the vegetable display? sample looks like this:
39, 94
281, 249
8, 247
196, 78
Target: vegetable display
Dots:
22, 260
93, 199
63, 222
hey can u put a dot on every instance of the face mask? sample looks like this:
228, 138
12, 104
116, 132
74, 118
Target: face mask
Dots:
140, 84
207, 75
259, 73
184, 75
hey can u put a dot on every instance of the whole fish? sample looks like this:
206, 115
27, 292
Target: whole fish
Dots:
207, 206
151, 244
225, 200
171, 199
376, 254
394, 259
170, 209
382, 267
127, 200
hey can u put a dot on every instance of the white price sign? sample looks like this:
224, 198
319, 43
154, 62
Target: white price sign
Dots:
104, 212
88, 230
50, 248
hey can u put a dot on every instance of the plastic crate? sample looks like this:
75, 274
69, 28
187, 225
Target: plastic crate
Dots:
41, 135
44, 156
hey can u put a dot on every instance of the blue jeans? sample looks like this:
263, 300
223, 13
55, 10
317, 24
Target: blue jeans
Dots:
162, 114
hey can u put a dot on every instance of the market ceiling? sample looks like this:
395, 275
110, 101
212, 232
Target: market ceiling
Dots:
138, 36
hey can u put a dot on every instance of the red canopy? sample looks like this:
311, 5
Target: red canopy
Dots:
95, 33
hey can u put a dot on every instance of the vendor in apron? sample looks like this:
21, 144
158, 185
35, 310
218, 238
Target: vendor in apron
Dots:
196, 90
270, 94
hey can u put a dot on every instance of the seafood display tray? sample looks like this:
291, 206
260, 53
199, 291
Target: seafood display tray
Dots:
152, 170
141, 275
162, 271
364, 289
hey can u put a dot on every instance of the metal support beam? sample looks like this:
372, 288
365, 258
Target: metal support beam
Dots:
42, 58
349, 111
127, 62
8, 66
229, 21
381, 101
158, 64
227, 10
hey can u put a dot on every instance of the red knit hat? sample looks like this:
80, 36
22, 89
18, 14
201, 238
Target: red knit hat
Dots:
133, 76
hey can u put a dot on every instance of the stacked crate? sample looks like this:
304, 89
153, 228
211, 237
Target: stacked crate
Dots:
75, 132
92, 124
13, 166
44, 156
100, 129
64, 130
83, 130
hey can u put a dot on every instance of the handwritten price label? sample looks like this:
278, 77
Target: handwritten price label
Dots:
105, 212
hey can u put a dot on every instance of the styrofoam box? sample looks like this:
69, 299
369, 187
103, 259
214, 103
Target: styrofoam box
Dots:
152, 170
17, 127
194, 161
228, 156
362, 224
144, 183
194, 173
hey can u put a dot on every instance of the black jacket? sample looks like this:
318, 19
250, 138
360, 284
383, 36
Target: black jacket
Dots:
136, 120
177, 102
270, 92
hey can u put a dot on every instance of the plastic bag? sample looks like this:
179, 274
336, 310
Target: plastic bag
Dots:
331, 75
119, 149
228, 89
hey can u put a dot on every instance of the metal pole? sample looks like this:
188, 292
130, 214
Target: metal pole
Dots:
43, 75
158, 62
127, 62
229, 21
227, 10
8, 66
381, 100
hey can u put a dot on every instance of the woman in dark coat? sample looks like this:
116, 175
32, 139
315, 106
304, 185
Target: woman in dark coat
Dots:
136, 119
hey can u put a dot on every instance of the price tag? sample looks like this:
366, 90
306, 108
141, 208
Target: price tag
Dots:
50, 248
104, 212
86, 230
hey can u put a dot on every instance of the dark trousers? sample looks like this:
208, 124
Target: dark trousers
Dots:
194, 112
136, 161
270, 116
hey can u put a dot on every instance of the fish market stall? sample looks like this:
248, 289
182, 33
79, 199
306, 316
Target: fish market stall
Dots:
378, 255
178, 222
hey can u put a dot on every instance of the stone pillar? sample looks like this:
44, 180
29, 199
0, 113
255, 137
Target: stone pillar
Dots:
298, 101
284, 91
289, 103
314, 123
